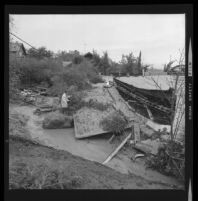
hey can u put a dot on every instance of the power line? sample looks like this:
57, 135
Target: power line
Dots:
23, 41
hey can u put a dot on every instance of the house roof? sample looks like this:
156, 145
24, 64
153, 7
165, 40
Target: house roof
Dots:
15, 47
66, 63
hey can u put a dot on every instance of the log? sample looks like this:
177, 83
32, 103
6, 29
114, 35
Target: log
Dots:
117, 149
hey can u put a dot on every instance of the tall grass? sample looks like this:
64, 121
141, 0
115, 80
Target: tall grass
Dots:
43, 174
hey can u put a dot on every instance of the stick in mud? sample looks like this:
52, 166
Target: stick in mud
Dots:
117, 149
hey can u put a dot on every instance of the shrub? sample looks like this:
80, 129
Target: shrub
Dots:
30, 71
89, 71
40, 175
34, 71
76, 102
76, 77
14, 79
77, 59
97, 105
165, 163
57, 120
114, 122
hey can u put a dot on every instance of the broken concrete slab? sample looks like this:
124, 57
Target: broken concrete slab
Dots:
157, 127
146, 131
148, 146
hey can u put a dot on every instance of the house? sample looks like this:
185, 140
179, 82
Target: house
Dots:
17, 50
179, 69
66, 63
88, 55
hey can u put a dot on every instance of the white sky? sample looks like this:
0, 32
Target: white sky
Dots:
157, 36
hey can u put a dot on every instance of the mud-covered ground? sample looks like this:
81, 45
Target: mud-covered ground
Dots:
77, 160
120, 173
78, 172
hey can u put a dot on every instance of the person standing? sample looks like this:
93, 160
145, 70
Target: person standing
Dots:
64, 102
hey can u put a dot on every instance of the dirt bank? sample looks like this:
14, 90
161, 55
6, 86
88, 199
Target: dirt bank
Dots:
78, 172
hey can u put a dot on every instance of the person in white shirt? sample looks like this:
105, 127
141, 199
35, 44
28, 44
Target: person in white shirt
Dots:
64, 101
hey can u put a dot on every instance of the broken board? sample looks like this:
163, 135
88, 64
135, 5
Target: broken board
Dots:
87, 122
136, 128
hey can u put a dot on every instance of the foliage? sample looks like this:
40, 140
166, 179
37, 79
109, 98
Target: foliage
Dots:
34, 71
40, 53
76, 102
67, 56
40, 175
167, 161
14, 79
57, 120
31, 71
130, 64
84, 71
114, 122
77, 59
97, 105
96, 58
104, 63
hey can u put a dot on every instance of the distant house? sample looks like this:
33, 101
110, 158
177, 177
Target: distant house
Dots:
179, 69
66, 63
17, 50
88, 55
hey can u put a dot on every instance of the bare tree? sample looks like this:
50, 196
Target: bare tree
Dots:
177, 83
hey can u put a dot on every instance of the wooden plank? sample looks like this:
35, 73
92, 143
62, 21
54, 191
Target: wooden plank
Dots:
149, 112
136, 130
117, 149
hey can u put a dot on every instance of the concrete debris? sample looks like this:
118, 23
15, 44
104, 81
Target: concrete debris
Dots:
146, 131
148, 146
157, 127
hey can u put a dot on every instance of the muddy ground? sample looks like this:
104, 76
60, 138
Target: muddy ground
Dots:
95, 149
80, 158
90, 175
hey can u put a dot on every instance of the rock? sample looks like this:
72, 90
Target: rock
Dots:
56, 120
146, 131
148, 146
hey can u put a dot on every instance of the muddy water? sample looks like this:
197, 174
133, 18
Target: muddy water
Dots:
94, 149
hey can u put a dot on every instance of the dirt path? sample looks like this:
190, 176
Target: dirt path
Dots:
94, 149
